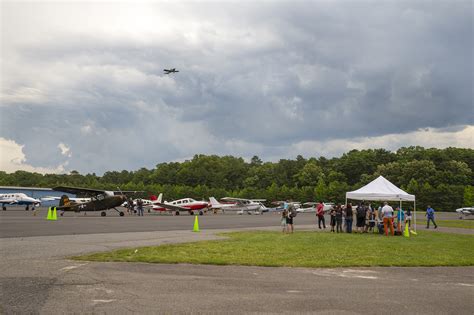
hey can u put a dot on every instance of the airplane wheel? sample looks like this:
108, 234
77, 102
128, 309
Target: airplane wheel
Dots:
149, 211
4, 208
27, 208
177, 213
121, 213
61, 214
191, 212
103, 214
201, 213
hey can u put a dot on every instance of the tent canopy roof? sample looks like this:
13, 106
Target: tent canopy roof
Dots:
380, 189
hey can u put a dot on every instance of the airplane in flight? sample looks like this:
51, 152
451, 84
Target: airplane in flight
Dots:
168, 71
186, 204
466, 211
18, 199
100, 200
238, 204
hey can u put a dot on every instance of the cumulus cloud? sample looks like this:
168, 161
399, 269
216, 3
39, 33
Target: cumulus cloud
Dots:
13, 159
267, 78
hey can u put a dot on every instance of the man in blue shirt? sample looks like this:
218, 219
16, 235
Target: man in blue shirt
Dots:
430, 216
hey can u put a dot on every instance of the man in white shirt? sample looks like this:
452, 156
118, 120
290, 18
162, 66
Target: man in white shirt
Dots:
387, 215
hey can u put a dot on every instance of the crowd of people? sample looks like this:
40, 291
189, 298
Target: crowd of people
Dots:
368, 217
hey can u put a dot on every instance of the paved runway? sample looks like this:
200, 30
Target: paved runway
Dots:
21, 223
37, 277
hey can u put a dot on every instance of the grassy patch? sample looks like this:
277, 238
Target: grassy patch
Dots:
308, 249
464, 224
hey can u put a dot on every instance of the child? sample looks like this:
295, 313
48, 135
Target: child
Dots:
284, 215
332, 213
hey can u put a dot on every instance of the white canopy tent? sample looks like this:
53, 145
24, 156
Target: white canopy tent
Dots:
382, 190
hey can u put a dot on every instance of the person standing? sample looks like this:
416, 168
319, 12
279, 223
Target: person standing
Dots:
320, 214
289, 218
349, 215
140, 207
371, 214
400, 218
130, 206
284, 215
430, 214
408, 217
361, 213
332, 213
387, 214
338, 218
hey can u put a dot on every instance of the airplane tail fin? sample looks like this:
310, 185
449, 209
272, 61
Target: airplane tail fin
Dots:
214, 202
64, 201
160, 198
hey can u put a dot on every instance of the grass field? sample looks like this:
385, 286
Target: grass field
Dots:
464, 224
308, 249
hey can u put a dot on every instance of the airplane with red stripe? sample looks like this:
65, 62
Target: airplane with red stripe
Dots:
186, 204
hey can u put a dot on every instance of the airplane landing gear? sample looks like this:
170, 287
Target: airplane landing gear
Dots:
103, 214
201, 213
191, 212
27, 208
176, 213
4, 208
120, 212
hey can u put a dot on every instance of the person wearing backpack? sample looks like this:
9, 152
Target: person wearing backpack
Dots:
320, 214
349, 217
361, 213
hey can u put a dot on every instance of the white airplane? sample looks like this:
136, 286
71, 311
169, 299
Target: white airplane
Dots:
238, 204
146, 203
466, 211
327, 206
18, 199
186, 204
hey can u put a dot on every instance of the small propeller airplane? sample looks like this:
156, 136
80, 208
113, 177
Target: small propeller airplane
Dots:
186, 204
100, 200
18, 199
238, 204
168, 71
466, 211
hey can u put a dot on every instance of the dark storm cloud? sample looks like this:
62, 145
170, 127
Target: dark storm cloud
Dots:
255, 79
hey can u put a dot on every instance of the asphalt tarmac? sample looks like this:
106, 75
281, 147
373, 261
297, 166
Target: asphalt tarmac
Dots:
37, 277
16, 222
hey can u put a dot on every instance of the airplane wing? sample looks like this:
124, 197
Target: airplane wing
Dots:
234, 199
171, 207
77, 190
9, 201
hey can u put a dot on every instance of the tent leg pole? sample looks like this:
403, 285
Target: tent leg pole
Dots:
414, 211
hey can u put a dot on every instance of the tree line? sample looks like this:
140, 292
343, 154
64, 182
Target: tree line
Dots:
442, 178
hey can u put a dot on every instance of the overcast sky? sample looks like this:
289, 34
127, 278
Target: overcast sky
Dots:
82, 85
